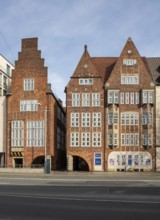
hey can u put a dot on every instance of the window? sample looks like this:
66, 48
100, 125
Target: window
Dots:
145, 97
127, 97
115, 140
75, 99
96, 118
74, 139
122, 97
129, 80
29, 84
129, 62
96, 139
8, 68
28, 105
129, 118
74, 119
137, 98
129, 139
145, 139
95, 99
113, 97
146, 118
85, 139
85, 119
5, 82
85, 81
110, 139
148, 97
110, 118
132, 97
85, 99
35, 134
17, 134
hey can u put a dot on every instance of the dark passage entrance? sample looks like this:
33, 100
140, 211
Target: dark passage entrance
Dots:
38, 162
79, 164
18, 162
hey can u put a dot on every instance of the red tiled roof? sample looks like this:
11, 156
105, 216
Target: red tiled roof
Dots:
104, 66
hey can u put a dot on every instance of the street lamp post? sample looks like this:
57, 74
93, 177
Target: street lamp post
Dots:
45, 140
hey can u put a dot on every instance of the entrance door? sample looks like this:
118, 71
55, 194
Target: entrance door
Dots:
18, 162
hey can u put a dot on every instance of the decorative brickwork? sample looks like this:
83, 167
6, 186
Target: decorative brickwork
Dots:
32, 113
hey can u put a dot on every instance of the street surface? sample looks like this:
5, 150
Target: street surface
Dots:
80, 196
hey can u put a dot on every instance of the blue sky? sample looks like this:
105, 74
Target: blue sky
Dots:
63, 27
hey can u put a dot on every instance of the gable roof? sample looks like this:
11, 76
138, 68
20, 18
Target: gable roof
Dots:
104, 66
154, 67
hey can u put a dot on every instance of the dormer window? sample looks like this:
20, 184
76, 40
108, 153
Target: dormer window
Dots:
85, 81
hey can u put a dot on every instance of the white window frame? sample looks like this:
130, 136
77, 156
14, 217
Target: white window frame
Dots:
85, 81
129, 139
129, 118
28, 84
127, 98
86, 120
85, 99
129, 62
96, 99
132, 97
35, 133
74, 119
110, 97
28, 105
122, 97
85, 139
96, 139
17, 133
110, 118
137, 97
96, 119
75, 99
110, 139
74, 141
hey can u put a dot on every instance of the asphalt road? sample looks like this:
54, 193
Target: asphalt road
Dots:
84, 197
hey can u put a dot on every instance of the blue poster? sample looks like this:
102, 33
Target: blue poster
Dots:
98, 161
130, 160
148, 162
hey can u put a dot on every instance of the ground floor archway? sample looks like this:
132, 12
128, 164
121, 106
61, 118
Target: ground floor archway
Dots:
38, 162
79, 164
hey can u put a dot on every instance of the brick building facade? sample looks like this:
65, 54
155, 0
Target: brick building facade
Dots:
111, 113
36, 119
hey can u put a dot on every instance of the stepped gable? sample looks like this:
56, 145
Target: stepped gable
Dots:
30, 58
85, 67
